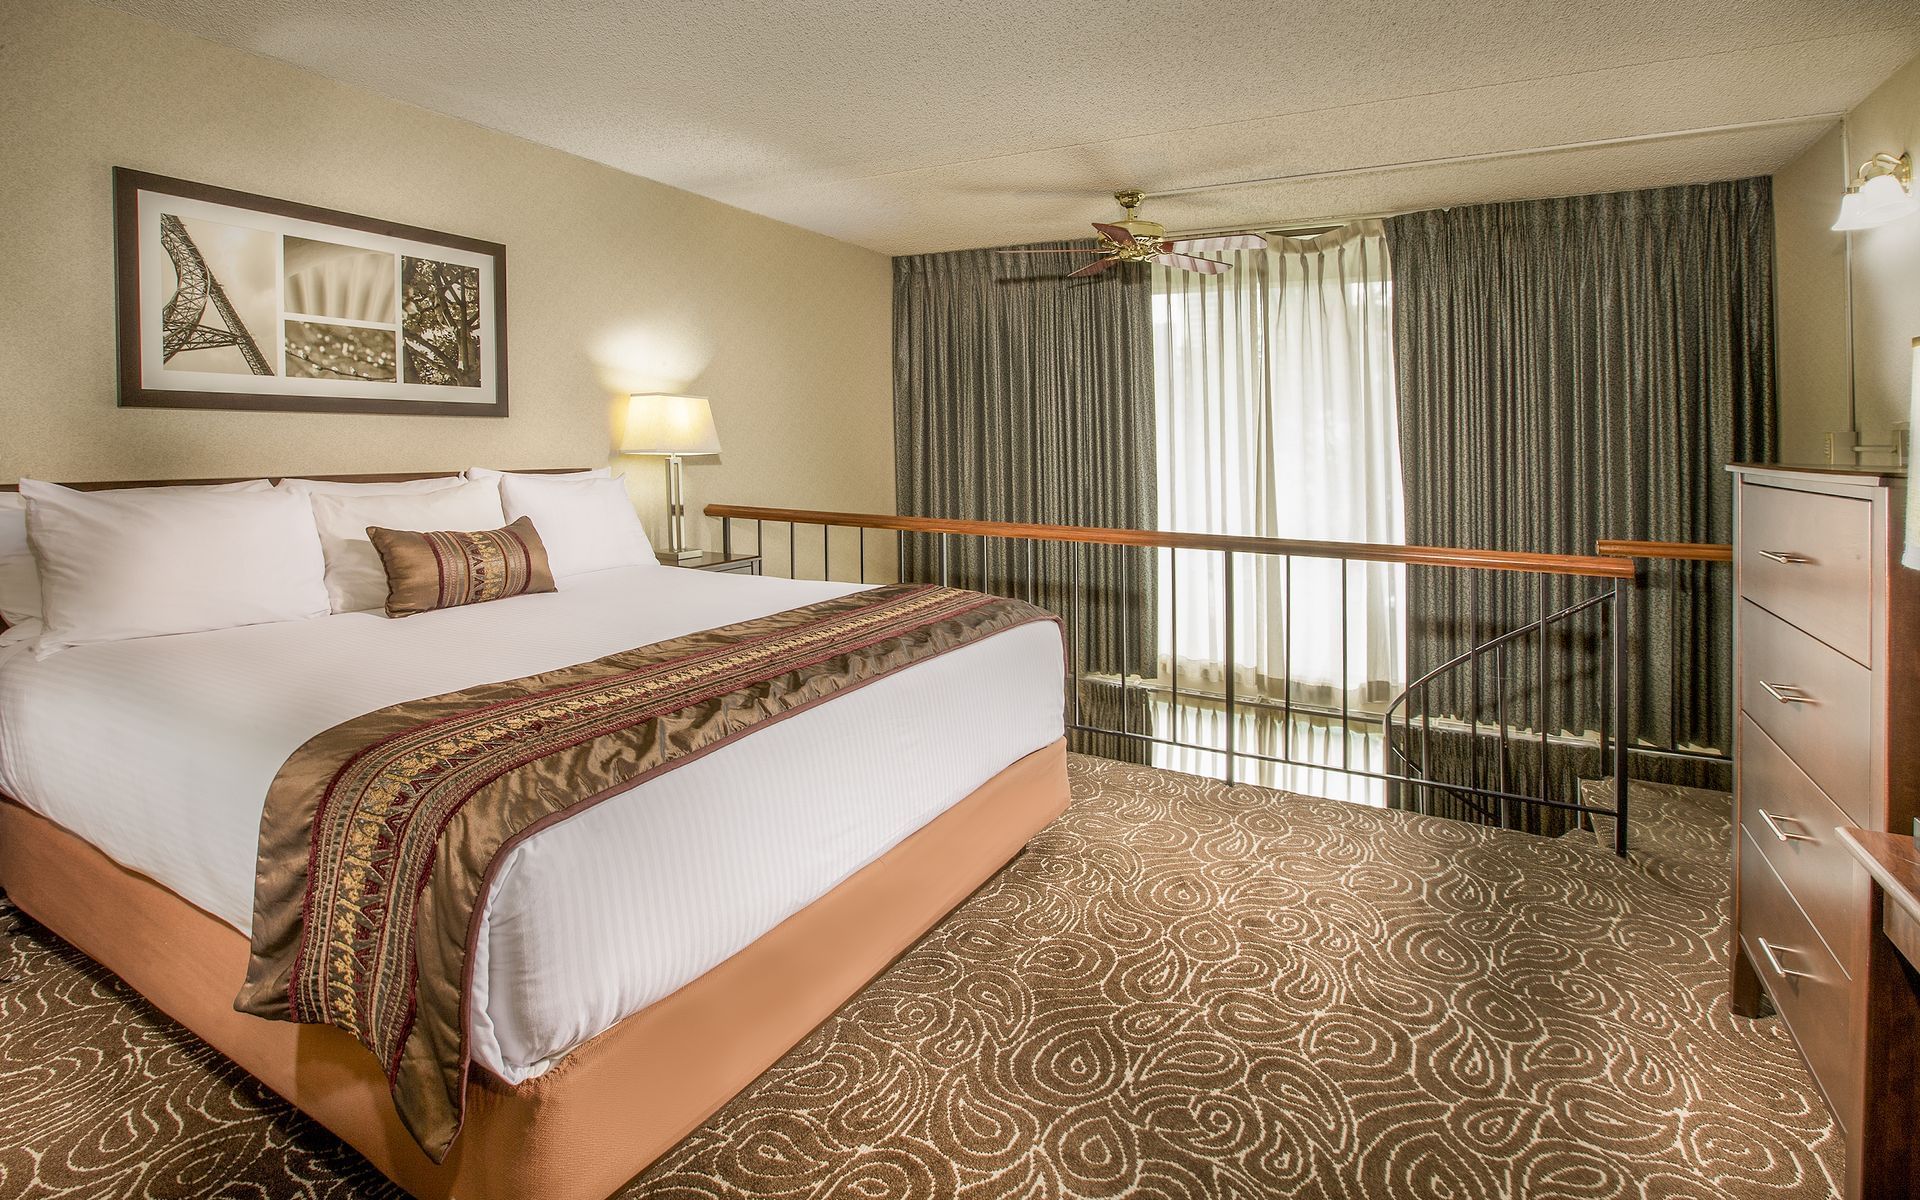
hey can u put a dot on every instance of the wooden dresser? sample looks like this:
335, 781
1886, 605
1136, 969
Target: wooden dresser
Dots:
1827, 629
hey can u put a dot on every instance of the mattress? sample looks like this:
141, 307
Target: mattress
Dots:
160, 752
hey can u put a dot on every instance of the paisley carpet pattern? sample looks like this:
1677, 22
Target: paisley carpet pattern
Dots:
1181, 989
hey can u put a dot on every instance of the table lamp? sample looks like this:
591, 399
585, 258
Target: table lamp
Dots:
676, 427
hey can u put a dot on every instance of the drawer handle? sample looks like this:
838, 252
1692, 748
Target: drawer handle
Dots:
1784, 556
1773, 823
1773, 960
1786, 693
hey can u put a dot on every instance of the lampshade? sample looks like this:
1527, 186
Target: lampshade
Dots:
1879, 200
660, 424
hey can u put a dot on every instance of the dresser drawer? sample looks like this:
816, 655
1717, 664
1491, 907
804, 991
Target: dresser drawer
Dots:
1816, 704
1793, 824
1808, 558
1805, 981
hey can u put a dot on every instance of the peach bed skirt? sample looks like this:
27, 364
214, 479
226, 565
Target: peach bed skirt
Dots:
615, 1104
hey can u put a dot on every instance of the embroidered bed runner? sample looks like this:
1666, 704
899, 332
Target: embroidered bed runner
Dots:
380, 835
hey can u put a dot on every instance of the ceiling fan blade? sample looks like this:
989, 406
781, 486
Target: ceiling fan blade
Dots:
1087, 250
1093, 268
1223, 241
1187, 262
1114, 233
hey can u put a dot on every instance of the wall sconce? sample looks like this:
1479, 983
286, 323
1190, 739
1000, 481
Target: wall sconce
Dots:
1882, 191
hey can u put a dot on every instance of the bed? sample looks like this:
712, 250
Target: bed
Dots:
638, 963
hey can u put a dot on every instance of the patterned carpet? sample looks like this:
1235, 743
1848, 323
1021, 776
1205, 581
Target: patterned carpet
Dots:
1181, 989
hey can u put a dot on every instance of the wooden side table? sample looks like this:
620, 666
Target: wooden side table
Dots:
727, 564
1883, 1155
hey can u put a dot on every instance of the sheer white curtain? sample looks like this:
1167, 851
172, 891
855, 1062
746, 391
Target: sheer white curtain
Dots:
1276, 417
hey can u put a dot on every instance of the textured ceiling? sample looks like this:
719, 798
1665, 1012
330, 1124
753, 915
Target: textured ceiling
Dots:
909, 127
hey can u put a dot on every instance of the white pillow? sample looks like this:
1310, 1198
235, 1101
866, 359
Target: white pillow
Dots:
20, 577
586, 524
404, 487
149, 561
356, 579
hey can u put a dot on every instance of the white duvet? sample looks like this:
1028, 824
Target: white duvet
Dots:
160, 751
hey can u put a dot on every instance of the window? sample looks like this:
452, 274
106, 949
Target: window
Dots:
1276, 417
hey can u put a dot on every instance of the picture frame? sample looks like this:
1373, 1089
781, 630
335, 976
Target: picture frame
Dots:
229, 300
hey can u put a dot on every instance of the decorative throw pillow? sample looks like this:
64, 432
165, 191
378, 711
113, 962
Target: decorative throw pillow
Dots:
426, 571
356, 582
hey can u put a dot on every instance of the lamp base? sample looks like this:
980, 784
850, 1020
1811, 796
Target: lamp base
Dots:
682, 554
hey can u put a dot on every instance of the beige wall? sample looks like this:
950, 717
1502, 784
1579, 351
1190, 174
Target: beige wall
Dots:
1815, 355
615, 283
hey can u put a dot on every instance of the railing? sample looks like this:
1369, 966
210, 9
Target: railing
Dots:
1059, 587
1467, 676
1674, 575
1496, 652
1666, 551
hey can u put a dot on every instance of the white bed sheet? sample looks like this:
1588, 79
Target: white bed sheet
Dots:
160, 752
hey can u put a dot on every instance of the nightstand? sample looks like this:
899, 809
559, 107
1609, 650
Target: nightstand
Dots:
730, 564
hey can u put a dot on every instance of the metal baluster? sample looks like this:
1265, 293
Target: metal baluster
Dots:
1426, 772
1500, 716
1619, 723
1230, 665
1346, 736
900, 556
726, 537
1286, 658
826, 552
1073, 630
760, 542
1033, 570
943, 560
1542, 671
791, 570
863, 554
1126, 635
1602, 695
1173, 651
1674, 571
1473, 689
1406, 744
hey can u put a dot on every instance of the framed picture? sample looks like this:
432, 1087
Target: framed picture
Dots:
229, 300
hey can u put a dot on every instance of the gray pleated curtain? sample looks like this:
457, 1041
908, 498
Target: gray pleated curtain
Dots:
1020, 395
1577, 369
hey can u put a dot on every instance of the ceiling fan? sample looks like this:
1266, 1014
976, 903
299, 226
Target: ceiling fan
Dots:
1134, 240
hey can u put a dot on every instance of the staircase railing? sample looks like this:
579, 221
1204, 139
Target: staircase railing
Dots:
1666, 569
1614, 738
1411, 750
1023, 577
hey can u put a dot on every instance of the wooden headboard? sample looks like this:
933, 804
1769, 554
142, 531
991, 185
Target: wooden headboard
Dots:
101, 485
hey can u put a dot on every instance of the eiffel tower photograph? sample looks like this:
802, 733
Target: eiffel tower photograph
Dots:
235, 301
224, 290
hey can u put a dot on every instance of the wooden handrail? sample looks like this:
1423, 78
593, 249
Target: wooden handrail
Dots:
1683, 551
1419, 556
